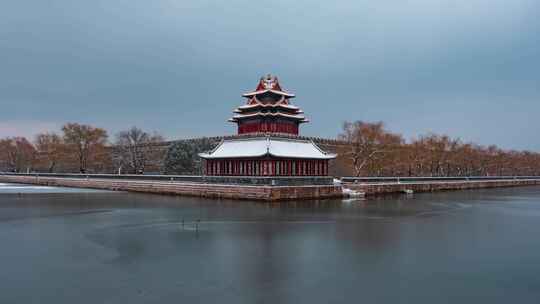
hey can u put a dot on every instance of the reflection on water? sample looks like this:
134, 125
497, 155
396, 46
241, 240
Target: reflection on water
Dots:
70, 246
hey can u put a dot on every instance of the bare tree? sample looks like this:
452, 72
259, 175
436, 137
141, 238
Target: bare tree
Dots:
134, 147
17, 154
84, 141
51, 149
368, 143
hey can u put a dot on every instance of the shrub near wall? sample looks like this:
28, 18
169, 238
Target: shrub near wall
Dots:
183, 156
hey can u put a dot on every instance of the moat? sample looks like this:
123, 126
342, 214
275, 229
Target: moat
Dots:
63, 245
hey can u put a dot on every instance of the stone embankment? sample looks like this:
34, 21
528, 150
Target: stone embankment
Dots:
282, 190
432, 186
221, 191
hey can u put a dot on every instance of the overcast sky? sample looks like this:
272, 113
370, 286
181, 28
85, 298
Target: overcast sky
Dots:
467, 68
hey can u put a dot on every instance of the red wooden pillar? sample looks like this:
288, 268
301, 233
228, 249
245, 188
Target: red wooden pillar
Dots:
290, 167
242, 168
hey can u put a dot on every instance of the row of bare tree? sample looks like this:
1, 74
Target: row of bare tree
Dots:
81, 148
368, 150
372, 150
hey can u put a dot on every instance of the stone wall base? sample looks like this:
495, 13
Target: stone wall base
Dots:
260, 192
242, 192
382, 188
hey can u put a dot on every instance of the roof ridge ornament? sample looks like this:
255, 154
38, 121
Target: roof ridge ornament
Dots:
269, 82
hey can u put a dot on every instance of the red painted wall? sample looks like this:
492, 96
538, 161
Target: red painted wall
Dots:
267, 167
268, 127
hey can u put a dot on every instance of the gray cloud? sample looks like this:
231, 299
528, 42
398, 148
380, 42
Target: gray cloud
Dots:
467, 68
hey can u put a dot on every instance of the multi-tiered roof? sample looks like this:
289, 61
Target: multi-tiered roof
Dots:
265, 118
268, 110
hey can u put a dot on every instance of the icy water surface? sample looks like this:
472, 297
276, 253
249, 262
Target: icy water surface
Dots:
82, 246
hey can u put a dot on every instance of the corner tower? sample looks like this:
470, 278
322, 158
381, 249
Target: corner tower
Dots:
269, 145
268, 110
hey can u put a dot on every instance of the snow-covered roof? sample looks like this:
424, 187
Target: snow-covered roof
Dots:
289, 95
267, 146
268, 105
301, 117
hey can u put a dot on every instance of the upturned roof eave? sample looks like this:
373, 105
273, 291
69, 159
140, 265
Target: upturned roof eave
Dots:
253, 93
261, 105
241, 116
268, 151
209, 156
